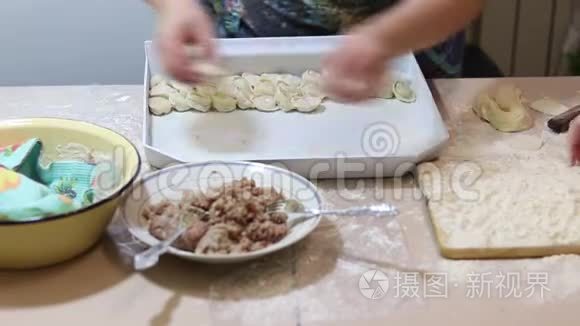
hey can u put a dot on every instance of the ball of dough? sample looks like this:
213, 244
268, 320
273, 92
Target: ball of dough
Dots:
515, 118
508, 96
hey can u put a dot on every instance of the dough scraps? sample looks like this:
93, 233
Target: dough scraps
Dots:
549, 106
506, 112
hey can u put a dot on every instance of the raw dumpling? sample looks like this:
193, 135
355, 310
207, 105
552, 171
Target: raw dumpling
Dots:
162, 89
252, 79
243, 93
243, 86
180, 102
223, 102
181, 87
159, 105
237, 88
266, 92
227, 85
190, 101
305, 103
284, 93
290, 80
199, 102
205, 90
155, 80
245, 103
265, 87
403, 92
265, 103
271, 77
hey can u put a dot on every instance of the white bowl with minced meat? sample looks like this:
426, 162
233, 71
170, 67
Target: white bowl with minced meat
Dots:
224, 204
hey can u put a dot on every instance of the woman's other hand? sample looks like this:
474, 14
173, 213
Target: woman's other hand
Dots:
183, 23
356, 70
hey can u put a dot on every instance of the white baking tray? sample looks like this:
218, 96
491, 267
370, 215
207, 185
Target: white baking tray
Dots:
375, 138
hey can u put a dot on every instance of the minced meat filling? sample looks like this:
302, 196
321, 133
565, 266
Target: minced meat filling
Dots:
236, 219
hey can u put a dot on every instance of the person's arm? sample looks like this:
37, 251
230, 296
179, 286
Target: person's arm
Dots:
414, 25
160, 5
156, 4
574, 141
354, 72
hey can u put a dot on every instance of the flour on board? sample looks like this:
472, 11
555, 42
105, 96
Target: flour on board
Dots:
503, 203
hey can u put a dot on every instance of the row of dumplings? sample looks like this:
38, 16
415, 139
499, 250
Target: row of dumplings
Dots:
265, 92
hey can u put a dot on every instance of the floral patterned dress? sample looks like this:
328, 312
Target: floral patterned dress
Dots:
260, 18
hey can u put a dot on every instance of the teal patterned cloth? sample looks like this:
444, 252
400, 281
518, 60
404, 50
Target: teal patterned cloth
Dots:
261, 18
29, 190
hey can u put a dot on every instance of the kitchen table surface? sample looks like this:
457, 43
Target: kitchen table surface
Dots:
320, 281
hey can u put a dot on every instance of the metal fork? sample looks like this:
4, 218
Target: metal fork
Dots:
150, 257
297, 213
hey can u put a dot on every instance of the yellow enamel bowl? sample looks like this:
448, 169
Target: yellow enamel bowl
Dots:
61, 237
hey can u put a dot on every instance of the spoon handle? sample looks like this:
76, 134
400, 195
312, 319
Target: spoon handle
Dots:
150, 257
375, 210
561, 123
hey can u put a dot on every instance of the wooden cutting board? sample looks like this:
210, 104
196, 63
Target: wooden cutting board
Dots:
501, 210
477, 148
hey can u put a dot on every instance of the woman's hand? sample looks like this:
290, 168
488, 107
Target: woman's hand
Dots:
356, 70
183, 23
574, 141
